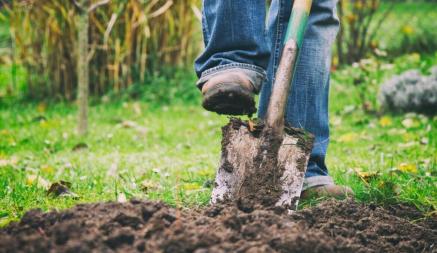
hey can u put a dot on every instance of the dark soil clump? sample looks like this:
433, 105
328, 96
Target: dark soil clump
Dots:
141, 226
261, 166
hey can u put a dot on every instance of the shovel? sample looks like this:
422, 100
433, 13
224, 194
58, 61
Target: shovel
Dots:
264, 163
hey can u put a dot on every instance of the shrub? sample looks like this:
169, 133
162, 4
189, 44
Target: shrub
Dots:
129, 39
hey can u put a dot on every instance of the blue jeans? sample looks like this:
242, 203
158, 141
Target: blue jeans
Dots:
236, 37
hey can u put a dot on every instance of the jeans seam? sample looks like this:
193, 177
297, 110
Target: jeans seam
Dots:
277, 41
235, 65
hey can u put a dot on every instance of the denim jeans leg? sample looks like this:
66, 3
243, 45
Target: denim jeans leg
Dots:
308, 101
235, 38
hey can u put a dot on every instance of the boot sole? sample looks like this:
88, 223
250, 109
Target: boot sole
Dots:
229, 99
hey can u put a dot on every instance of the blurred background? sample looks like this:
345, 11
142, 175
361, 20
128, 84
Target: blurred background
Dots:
135, 45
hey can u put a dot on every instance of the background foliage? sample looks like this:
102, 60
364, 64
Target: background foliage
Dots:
133, 42
129, 40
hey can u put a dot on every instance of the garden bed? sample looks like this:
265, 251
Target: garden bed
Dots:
142, 226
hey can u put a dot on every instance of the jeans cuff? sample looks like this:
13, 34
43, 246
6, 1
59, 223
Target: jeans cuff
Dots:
256, 74
311, 182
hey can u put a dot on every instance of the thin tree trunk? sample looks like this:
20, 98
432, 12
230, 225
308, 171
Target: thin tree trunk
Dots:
83, 72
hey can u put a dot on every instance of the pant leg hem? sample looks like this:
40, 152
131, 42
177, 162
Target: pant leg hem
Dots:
311, 182
257, 75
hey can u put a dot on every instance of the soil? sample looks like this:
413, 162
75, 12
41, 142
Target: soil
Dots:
255, 176
142, 226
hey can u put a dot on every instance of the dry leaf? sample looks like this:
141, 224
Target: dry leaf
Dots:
410, 123
366, 175
408, 167
336, 121
47, 169
133, 125
129, 124
8, 162
424, 141
137, 108
407, 145
41, 107
385, 121
38, 181
112, 172
191, 187
148, 185
348, 137
121, 198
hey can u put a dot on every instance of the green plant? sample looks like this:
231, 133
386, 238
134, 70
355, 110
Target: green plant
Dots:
129, 40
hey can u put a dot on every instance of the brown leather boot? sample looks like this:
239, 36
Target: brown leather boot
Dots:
330, 191
230, 93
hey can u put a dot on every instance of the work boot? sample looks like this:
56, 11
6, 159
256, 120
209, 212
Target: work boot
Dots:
330, 191
230, 93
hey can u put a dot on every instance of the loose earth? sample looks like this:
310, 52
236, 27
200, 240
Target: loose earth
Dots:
143, 226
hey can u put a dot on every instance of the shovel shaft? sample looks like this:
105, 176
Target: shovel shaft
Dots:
284, 75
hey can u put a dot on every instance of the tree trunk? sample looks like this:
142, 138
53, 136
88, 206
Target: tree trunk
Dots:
83, 71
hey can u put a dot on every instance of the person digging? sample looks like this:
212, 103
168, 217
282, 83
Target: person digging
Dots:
242, 54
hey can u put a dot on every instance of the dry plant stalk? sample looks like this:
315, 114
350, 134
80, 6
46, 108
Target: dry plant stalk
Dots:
128, 40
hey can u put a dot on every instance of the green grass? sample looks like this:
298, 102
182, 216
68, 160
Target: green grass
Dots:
409, 27
170, 153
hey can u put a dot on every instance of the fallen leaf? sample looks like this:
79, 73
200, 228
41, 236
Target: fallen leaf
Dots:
366, 175
41, 107
408, 137
121, 198
349, 109
410, 123
38, 181
4, 132
129, 124
424, 141
8, 162
191, 187
408, 167
407, 145
137, 108
348, 137
148, 185
397, 131
133, 125
336, 121
385, 121
112, 171
47, 169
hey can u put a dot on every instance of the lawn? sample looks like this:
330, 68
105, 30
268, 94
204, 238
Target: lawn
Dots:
169, 151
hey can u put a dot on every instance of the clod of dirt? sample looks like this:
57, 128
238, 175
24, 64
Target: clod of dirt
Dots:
61, 189
261, 166
142, 226
39, 118
80, 146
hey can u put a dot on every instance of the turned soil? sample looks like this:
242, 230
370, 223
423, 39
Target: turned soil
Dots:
142, 226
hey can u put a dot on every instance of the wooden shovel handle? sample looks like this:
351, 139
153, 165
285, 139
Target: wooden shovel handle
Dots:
284, 75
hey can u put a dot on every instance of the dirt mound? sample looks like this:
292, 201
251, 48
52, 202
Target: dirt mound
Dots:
141, 226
